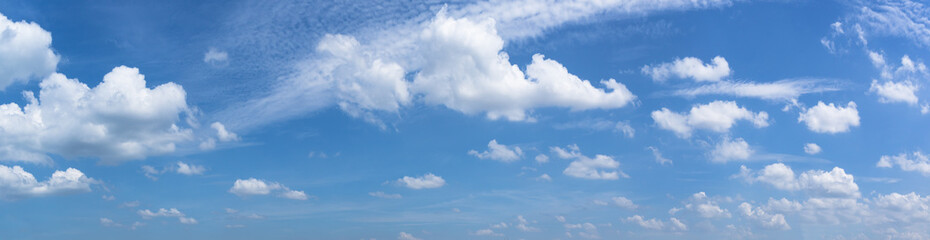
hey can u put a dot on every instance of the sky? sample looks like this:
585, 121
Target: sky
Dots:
523, 119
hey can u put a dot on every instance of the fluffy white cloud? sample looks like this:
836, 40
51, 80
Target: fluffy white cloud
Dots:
422, 182
787, 89
487, 232
223, 134
119, 119
891, 92
717, 116
542, 158
466, 70
499, 152
916, 162
818, 183
690, 67
624, 203
760, 216
190, 169
658, 156
904, 208
406, 236
589, 168
16, 183
656, 224
731, 150
706, 207
25, 53
252, 186
173, 212
380, 194
830, 118
812, 148
544, 178
523, 225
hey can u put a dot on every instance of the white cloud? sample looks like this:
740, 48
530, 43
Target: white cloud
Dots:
786, 89
406, 236
706, 207
897, 18
624, 203
380, 194
717, 116
917, 162
172, 212
891, 92
190, 169
119, 119
818, 183
223, 134
655, 224
466, 70
542, 158
690, 67
523, 225
544, 178
499, 152
658, 156
25, 53
252, 186
16, 183
422, 182
106, 222
727, 150
216, 57
903, 208
589, 168
830, 118
487, 232
760, 216
811, 148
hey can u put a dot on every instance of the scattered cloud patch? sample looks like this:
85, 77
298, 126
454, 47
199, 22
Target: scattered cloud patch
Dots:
252, 186
690, 67
914, 162
717, 116
830, 118
16, 183
601, 167
422, 182
499, 152
812, 148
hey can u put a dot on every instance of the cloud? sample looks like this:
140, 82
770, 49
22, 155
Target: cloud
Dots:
655, 224
902, 208
811, 148
589, 168
706, 207
658, 156
830, 118
423, 182
523, 225
544, 178
406, 236
190, 169
727, 150
172, 212
25, 53
601, 125
690, 67
624, 203
891, 92
252, 186
917, 162
717, 116
487, 232
119, 119
467, 71
16, 183
897, 18
766, 219
542, 158
380, 194
216, 57
786, 89
499, 152
818, 183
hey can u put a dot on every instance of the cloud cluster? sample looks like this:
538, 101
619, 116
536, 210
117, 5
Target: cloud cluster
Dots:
252, 186
690, 67
601, 167
916, 162
173, 212
818, 183
26, 52
717, 116
16, 183
499, 152
673, 224
422, 182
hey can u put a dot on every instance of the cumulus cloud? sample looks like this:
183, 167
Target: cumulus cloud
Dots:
601, 167
914, 162
717, 116
190, 169
818, 183
542, 158
487, 232
690, 67
706, 207
624, 203
422, 182
891, 92
902, 208
252, 186
466, 70
830, 118
655, 224
499, 152
766, 219
731, 150
119, 119
172, 212
26, 52
16, 183
812, 148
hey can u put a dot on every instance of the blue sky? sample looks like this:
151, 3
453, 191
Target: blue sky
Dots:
524, 119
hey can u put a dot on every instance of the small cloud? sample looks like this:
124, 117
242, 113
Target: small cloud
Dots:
216, 57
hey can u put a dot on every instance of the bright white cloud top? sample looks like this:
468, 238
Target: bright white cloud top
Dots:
25, 52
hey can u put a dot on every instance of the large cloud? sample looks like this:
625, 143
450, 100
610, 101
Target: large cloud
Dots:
824, 118
119, 119
717, 116
835, 183
16, 183
25, 52
917, 162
